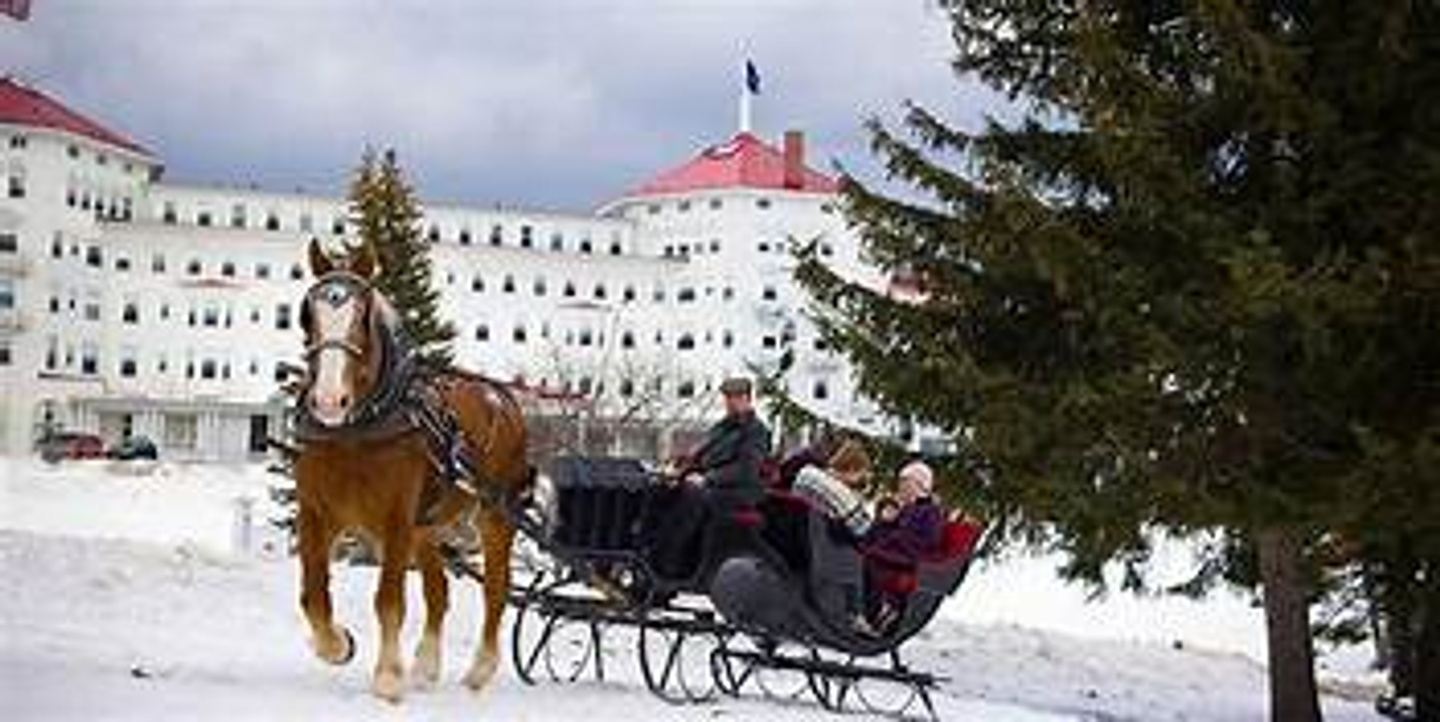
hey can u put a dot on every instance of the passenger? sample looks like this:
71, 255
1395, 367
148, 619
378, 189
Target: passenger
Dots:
838, 489
914, 532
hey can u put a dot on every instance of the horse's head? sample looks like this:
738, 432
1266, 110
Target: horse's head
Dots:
342, 316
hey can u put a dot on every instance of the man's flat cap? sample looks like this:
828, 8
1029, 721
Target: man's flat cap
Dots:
736, 385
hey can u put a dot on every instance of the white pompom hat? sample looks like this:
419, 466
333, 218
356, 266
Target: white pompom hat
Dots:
920, 473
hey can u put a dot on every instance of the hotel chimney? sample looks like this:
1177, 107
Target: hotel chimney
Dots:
794, 159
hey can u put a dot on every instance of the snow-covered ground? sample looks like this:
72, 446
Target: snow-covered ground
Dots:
125, 598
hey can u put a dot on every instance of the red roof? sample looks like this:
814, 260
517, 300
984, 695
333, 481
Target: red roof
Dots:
744, 162
21, 105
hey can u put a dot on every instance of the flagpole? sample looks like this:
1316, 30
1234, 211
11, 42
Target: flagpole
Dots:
744, 108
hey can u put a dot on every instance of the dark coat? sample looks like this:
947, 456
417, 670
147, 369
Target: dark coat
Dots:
915, 532
731, 457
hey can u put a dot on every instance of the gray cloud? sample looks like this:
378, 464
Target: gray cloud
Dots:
548, 102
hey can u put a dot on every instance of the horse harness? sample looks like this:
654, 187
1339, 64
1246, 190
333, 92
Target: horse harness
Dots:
406, 399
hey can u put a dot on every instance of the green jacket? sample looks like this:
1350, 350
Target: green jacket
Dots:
731, 456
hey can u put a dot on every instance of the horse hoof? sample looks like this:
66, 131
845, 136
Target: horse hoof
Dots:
341, 656
480, 674
426, 670
388, 686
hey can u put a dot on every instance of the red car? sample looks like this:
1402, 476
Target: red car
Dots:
71, 445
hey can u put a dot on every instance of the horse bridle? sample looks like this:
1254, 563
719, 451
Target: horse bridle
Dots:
354, 285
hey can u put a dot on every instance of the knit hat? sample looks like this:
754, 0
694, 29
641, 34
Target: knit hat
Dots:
920, 473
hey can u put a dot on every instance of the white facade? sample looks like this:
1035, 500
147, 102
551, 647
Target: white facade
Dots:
130, 304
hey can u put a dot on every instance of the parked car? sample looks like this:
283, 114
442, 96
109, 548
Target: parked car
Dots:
135, 447
71, 445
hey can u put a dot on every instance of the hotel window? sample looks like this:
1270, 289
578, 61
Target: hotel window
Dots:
102, 159
92, 310
127, 367
762, 203
539, 287
433, 235
686, 342
628, 294
212, 317
9, 243
161, 365
569, 289
658, 296
519, 334
727, 339
557, 241
497, 235
627, 388
127, 209
653, 208
762, 247
54, 304
282, 317
93, 257
615, 248
262, 270
71, 199
5, 358
237, 215
122, 263
587, 337
526, 237
827, 250
7, 293
18, 142
57, 247
296, 272
627, 339
254, 314
464, 237
337, 226
715, 204
130, 313
202, 218
89, 359
669, 251
227, 269
685, 295
585, 247
272, 222
482, 332
164, 311
686, 389
509, 285
600, 291
168, 216
768, 293
714, 245
193, 267
767, 342
727, 293
683, 207
17, 185
477, 284
820, 391
190, 317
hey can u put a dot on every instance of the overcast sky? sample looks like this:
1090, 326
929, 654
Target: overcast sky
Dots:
550, 103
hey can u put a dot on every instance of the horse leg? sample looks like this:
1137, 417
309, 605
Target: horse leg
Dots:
315, 534
437, 590
496, 535
389, 680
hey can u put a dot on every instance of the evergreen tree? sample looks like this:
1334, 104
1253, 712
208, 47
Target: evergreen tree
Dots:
1195, 287
386, 214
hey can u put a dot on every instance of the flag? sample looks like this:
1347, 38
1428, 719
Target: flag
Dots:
18, 9
752, 78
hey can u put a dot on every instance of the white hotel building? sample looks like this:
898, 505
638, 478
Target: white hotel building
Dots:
132, 305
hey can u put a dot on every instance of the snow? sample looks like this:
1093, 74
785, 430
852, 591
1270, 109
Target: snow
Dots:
127, 599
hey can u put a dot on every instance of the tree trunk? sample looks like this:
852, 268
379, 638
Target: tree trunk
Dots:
1291, 654
1427, 649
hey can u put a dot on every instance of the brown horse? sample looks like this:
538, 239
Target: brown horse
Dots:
360, 471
